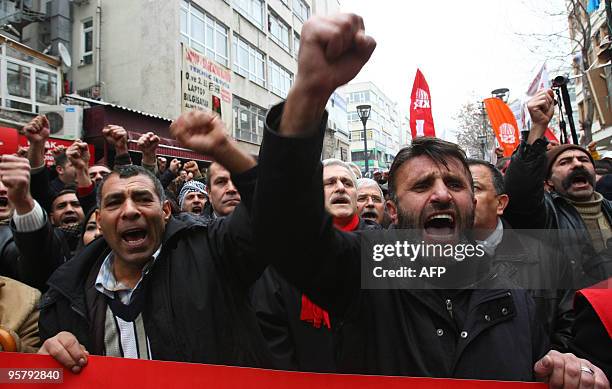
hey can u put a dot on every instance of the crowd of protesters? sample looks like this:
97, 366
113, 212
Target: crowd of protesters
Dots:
258, 262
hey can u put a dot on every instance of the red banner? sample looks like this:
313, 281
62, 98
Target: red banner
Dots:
504, 124
10, 140
421, 119
107, 372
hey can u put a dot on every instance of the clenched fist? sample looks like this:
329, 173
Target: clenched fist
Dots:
541, 109
15, 175
116, 136
78, 154
200, 131
37, 130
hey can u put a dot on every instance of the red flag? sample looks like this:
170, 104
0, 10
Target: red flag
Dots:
550, 135
504, 124
421, 119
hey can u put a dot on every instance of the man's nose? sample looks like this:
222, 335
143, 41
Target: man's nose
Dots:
441, 194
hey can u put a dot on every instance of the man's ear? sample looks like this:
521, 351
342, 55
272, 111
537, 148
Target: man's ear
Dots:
59, 169
392, 210
167, 210
98, 222
502, 203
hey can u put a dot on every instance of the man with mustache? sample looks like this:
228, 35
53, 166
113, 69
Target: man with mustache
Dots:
9, 253
370, 200
581, 215
297, 330
480, 334
193, 197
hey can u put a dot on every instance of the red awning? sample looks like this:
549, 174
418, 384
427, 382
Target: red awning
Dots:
167, 148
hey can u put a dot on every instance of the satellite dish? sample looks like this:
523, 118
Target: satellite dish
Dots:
64, 55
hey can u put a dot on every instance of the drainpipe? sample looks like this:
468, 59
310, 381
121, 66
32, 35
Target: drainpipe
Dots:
99, 33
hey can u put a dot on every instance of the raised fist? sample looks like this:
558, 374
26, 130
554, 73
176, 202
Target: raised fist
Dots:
200, 131
332, 52
175, 165
15, 175
116, 136
148, 142
37, 130
542, 108
78, 154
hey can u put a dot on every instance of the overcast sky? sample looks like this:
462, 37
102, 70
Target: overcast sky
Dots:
465, 48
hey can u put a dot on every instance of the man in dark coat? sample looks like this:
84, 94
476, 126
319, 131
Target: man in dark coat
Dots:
582, 216
530, 261
156, 287
483, 333
299, 332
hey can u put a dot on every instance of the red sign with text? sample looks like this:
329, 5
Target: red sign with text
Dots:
107, 372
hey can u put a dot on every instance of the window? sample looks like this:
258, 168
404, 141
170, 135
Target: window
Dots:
280, 79
18, 80
248, 61
26, 83
204, 33
301, 9
296, 45
359, 97
248, 121
46, 87
87, 42
279, 30
253, 10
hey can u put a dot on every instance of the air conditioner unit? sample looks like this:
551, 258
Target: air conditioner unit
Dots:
65, 121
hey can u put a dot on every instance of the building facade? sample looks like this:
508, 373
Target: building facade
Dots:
130, 53
593, 85
336, 143
384, 126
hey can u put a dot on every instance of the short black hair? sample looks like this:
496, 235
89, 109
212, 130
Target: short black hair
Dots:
132, 171
496, 175
61, 159
68, 189
436, 149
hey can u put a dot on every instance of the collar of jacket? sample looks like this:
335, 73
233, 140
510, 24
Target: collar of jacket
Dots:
69, 279
561, 203
510, 249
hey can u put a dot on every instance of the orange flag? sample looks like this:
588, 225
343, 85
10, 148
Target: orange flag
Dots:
504, 124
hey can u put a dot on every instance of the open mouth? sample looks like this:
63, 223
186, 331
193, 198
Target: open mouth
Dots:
196, 209
70, 219
442, 224
134, 237
341, 200
369, 215
580, 180
3, 201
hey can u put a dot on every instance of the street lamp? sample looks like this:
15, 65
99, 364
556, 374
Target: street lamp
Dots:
364, 113
501, 93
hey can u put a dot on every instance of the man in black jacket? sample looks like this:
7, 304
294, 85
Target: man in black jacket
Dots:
486, 334
9, 253
298, 332
154, 286
530, 261
582, 216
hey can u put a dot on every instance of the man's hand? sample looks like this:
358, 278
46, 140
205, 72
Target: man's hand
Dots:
541, 109
332, 51
66, 349
200, 131
205, 133
116, 136
37, 132
147, 143
15, 175
78, 155
568, 371
192, 167
175, 165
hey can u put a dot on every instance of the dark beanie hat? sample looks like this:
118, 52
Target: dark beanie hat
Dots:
554, 152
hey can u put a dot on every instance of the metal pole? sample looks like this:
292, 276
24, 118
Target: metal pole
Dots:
365, 146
